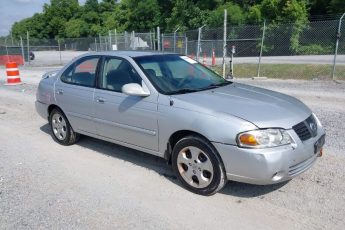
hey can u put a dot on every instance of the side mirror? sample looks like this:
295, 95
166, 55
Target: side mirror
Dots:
134, 89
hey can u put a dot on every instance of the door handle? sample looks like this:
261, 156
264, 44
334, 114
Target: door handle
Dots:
100, 100
59, 91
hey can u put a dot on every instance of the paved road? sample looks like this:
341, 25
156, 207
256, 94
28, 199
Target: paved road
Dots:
52, 58
308, 59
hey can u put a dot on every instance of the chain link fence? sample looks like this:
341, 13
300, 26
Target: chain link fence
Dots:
292, 50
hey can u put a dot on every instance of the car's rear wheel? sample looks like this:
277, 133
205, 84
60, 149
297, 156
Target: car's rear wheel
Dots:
197, 165
62, 131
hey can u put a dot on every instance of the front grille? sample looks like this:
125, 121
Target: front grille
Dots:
306, 129
312, 126
302, 131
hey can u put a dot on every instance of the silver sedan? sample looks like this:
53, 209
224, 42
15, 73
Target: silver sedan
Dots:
210, 129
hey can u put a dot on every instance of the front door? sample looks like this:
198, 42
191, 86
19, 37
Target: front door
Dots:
129, 119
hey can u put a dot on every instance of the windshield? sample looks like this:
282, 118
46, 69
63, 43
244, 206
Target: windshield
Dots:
174, 74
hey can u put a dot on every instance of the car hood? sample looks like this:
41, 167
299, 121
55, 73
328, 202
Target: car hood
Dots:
264, 108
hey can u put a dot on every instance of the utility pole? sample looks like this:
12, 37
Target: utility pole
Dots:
199, 43
158, 39
22, 48
224, 41
261, 48
337, 45
28, 45
175, 39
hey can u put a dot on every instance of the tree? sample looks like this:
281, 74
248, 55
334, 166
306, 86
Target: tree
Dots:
107, 6
336, 6
186, 15
235, 15
76, 28
318, 7
280, 12
207, 4
61, 18
284, 10
36, 25
90, 12
254, 14
57, 13
141, 15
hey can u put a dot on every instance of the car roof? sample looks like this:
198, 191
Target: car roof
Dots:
130, 53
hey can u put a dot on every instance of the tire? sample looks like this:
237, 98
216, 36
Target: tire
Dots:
198, 166
61, 130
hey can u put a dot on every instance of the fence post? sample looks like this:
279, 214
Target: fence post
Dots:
175, 39
151, 44
96, 44
12, 38
126, 40
186, 45
199, 43
8, 58
60, 51
28, 45
22, 48
116, 39
110, 45
163, 43
154, 40
224, 41
336, 45
100, 42
261, 47
158, 39
133, 40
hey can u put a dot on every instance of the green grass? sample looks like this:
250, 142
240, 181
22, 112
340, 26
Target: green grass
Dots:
287, 71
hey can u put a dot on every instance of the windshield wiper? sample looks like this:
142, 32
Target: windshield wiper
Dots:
183, 90
189, 90
212, 86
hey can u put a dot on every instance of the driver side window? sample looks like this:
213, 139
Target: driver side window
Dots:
116, 73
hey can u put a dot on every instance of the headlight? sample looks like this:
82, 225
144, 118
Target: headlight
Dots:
263, 138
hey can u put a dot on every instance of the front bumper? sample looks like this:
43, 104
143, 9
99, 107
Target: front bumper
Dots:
42, 109
270, 165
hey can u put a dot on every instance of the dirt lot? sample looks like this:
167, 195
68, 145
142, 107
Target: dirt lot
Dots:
95, 184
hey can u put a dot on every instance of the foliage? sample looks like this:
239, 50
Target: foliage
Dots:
141, 15
76, 28
235, 15
185, 15
66, 18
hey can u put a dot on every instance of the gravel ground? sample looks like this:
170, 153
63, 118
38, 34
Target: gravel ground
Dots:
95, 184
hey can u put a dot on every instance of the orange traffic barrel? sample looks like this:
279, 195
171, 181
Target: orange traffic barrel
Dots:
12, 74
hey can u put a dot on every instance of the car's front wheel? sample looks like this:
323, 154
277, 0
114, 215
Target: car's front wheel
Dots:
62, 131
197, 165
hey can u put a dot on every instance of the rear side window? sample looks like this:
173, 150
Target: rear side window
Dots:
82, 73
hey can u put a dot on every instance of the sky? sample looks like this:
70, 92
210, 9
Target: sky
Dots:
15, 10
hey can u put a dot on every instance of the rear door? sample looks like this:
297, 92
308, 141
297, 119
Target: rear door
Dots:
74, 93
129, 119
